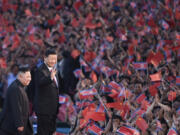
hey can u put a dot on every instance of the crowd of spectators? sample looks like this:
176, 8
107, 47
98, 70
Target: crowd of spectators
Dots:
124, 56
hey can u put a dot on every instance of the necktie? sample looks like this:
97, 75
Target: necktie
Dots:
55, 80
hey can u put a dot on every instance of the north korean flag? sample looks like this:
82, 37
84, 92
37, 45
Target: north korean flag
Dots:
140, 65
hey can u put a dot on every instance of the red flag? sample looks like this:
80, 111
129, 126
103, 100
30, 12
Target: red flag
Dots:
140, 98
109, 38
93, 76
83, 123
57, 17
145, 104
114, 85
78, 73
141, 123
89, 56
177, 14
95, 129
62, 39
171, 96
96, 116
51, 22
116, 105
31, 38
48, 33
131, 50
75, 22
156, 77
124, 131
177, 80
28, 12
153, 90
77, 5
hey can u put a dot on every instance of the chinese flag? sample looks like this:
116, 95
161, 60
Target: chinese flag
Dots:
153, 90
172, 96
116, 105
156, 77
96, 116
141, 123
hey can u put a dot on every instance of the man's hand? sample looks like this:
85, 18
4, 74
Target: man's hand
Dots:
53, 73
20, 129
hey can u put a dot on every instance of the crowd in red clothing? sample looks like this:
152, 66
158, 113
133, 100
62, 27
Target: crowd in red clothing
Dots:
129, 55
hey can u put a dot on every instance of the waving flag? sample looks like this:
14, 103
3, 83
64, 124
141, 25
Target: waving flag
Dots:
127, 130
100, 108
62, 99
165, 25
105, 89
133, 130
78, 73
116, 105
168, 55
172, 131
96, 116
177, 80
88, 92
140, 98
114, 85
82, 62
156, 77
138, 111
153, 90
140, 65
105, 69
95, 130
141, 123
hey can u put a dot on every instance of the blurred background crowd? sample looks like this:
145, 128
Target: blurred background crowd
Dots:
120, 56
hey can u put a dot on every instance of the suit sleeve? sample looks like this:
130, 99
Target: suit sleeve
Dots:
43, 79
14, 99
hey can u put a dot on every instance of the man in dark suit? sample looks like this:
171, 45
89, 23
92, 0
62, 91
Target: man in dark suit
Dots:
14, 119
47, 94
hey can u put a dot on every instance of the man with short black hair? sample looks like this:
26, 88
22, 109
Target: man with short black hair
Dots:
14, 119
47, 94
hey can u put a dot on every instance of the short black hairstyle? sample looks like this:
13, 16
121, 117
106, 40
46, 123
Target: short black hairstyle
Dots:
24, 68
50, 52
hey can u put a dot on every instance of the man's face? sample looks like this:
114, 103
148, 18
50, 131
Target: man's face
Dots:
51, 60
25, 78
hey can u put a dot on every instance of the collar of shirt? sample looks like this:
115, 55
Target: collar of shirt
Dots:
50, 68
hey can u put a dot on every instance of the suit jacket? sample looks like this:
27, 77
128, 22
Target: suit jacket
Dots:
15, 110
47, 92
